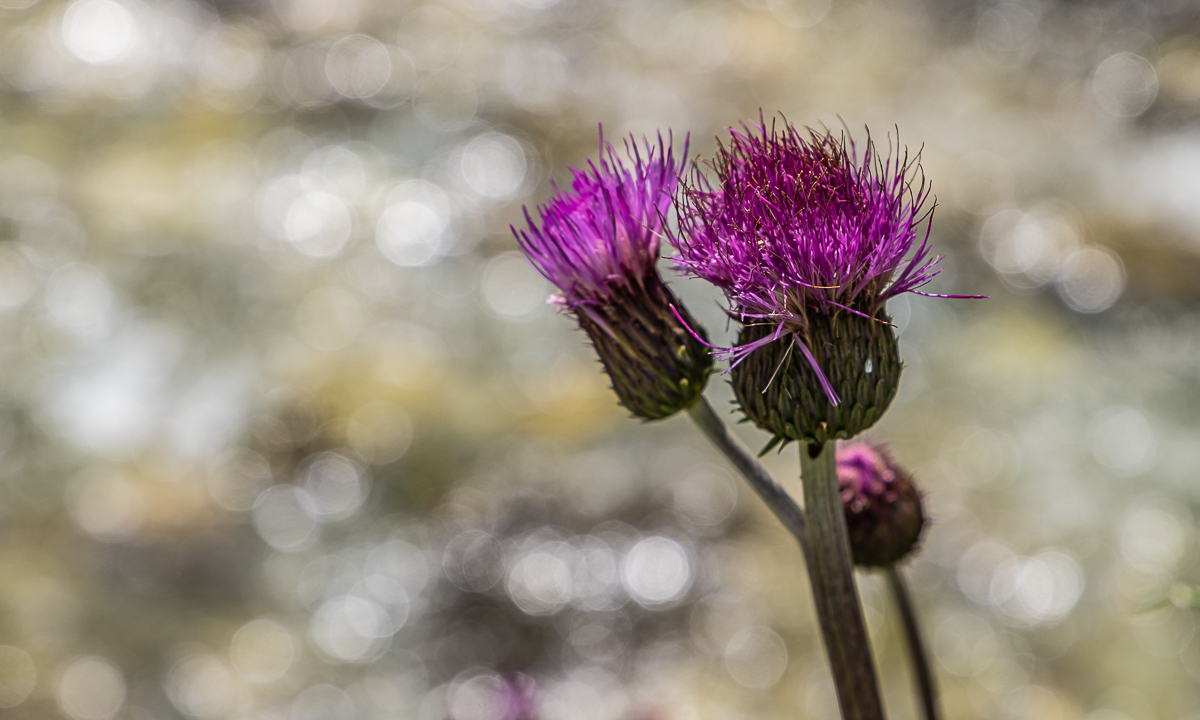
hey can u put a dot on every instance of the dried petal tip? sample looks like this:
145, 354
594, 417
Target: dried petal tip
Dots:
881, 503
599, 244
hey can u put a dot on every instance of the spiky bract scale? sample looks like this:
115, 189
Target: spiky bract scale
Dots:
657, 366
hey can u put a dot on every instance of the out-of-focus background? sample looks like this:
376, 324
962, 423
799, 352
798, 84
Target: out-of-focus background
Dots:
289, 433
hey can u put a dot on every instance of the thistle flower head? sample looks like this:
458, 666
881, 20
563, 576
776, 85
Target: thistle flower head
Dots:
795, 224
599, 243
604, 233
882, 505
808, 238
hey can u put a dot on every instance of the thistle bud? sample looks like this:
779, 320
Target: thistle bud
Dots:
599, 243
881, 504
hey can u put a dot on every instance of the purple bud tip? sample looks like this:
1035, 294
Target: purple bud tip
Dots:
603, 234
863, 474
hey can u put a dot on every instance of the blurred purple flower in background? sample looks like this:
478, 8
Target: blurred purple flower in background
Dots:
519, 698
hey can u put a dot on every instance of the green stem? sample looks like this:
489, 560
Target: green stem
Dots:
922, 670
826, 548
831, 572
776, 498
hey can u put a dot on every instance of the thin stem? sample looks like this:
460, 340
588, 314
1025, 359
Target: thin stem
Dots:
831, 572
923, 675
776, 498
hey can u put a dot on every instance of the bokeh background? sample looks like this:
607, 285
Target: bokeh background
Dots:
289, 433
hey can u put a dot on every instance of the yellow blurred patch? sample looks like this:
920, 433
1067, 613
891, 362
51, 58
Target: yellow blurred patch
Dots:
1019, 347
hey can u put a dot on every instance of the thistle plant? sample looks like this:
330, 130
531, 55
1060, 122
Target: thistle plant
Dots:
809, 240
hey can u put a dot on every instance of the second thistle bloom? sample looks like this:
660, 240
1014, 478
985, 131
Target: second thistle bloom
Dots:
599, 243
809, 240
882, 505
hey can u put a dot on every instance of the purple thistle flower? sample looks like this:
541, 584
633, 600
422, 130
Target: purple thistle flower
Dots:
795, 226
881, 504
599, 243
802, 222
808, 240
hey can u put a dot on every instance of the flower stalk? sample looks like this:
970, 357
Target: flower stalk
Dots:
923, 677
825, 544
776, 498
839, 619
831, 572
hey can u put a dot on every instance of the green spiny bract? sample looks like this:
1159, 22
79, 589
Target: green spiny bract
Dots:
657, 365
779, 391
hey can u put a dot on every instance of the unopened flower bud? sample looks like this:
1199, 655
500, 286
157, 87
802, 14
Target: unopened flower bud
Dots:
881, 503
